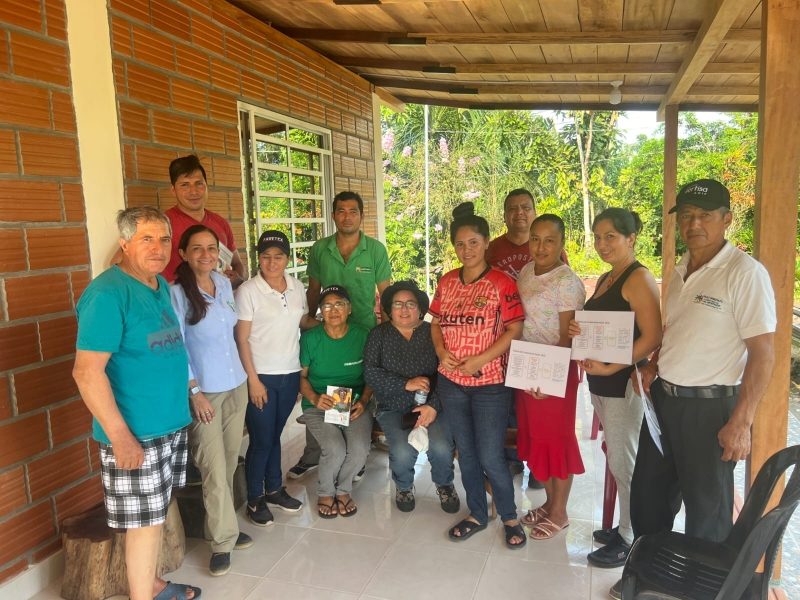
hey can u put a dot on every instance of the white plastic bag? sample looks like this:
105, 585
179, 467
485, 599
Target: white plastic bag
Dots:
418, 438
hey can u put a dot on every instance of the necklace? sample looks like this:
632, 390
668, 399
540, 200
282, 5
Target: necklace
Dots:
611, 277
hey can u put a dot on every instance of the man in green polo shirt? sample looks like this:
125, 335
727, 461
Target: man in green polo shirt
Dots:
354, 260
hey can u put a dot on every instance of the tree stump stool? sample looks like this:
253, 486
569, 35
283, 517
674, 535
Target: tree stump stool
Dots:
94, 554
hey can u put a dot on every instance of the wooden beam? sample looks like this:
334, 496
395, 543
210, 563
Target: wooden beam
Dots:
389, 100
716, 68
778, 170
712, 32
670, 186
551, 105
658, 36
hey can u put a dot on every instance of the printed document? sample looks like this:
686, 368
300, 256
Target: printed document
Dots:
606, 336
538, 366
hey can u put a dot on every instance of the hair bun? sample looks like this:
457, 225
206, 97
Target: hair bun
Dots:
465, 209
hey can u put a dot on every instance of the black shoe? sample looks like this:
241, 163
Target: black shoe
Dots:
219, 564
259, 514
612, 555
448, 497
300, 469
405, 500
360, 475
243, 541
616, 590
283, 501
603, 536
515, 467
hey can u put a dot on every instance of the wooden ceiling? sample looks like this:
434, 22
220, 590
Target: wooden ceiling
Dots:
537, 53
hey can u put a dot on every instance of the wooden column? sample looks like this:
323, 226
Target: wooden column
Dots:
776, 205
670, 183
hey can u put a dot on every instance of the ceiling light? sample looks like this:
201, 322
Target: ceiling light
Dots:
615, 95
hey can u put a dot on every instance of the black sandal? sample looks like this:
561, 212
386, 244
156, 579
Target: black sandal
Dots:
344, 505
331, 507
465, 529
515, 531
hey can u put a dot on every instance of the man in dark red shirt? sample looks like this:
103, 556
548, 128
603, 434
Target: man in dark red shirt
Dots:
510, 252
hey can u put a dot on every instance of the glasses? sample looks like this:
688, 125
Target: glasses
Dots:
409, 304
329, 306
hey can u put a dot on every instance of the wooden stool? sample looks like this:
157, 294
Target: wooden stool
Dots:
94, 554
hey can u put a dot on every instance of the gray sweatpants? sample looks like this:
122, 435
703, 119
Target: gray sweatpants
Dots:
622, 420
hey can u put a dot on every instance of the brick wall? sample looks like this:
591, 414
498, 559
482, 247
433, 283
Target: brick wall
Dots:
48, 464
179, 68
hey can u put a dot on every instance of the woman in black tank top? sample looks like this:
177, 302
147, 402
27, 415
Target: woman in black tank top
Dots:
628, 286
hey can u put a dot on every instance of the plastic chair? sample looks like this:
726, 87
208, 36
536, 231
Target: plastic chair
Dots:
675, 566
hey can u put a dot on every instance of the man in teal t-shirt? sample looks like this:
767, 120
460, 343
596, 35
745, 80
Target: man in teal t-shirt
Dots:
132, 371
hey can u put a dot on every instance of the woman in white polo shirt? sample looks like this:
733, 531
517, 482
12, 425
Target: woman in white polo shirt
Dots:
272, 309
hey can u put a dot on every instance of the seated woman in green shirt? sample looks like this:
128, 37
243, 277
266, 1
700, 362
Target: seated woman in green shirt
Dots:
333, 355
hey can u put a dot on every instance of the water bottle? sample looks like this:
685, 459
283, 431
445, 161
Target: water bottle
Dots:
420, 397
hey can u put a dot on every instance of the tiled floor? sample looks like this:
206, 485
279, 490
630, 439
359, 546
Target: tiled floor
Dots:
382, 553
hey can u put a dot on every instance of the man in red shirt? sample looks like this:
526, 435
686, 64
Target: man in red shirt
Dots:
510, 252
190, 188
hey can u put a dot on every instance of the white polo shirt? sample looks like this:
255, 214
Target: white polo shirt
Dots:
275, 333
708, 317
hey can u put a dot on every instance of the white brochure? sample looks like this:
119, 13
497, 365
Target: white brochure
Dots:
225, 258
606, 335
538, 366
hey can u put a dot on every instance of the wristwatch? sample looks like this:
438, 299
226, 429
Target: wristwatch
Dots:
194, 391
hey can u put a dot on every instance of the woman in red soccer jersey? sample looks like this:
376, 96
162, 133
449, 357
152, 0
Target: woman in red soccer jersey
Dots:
476, 313
550, 293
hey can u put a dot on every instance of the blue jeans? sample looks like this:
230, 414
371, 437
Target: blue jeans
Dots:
263, 459
478, 417
403, 456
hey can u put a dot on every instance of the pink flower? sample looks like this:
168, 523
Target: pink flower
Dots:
417, 235
471, 195
406, 151
462, 166
444, 150
474, 161
388, 141
437, 228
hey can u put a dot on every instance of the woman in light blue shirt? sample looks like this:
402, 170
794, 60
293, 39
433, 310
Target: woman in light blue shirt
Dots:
203, 301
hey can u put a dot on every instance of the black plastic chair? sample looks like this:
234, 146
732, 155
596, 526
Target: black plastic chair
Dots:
675, 566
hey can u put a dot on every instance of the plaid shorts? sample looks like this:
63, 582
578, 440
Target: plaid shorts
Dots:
140, 497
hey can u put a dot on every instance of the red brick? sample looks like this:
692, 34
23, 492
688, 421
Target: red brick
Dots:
73, 202
51, 247
120, 81
207, 137
78, 280
253, 86
225, 14
325, 91
141, 195
38, 59
236, 202
4, 66
44, 154
238, 50
69, 421
58, 469
147, 85
63, 114
5, 401
15, 569
57, 337
222, 107
316, 111
168, 17
277, 97
298, 106
12, 490
171, 130
133, 8
128, 161
121, 40
201, 6
265, 63
37, 295
56, 19
24, 104
224, 75
226, 172
26, 531
19, 346
348, 123
189, 97
36, 388
192, 63
12, 251
339, 142
8, 152
134, 121
21, 439
47, 550
153, 48
206, 34
232, 142
29, 201
79, 498
94, 455
22, 13
153, 163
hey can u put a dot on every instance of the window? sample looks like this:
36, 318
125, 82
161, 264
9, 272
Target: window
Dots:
288, 180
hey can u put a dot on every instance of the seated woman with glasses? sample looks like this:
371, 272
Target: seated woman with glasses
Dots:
400, 364
333, 356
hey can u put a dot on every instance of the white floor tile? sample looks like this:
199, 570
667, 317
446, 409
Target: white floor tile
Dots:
270, 589
507, 577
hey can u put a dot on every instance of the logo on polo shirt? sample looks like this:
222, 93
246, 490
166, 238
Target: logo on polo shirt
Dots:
481, 301
363, 269
708, 301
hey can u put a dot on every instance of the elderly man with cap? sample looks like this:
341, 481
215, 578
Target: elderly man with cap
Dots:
706, 381
400, 364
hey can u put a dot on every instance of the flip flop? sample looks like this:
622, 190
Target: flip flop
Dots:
545, 529
330, 514
533, 516
513, 531
177, 591
465, 529
343, 507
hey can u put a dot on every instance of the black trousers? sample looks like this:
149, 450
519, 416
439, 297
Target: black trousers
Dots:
690, 470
